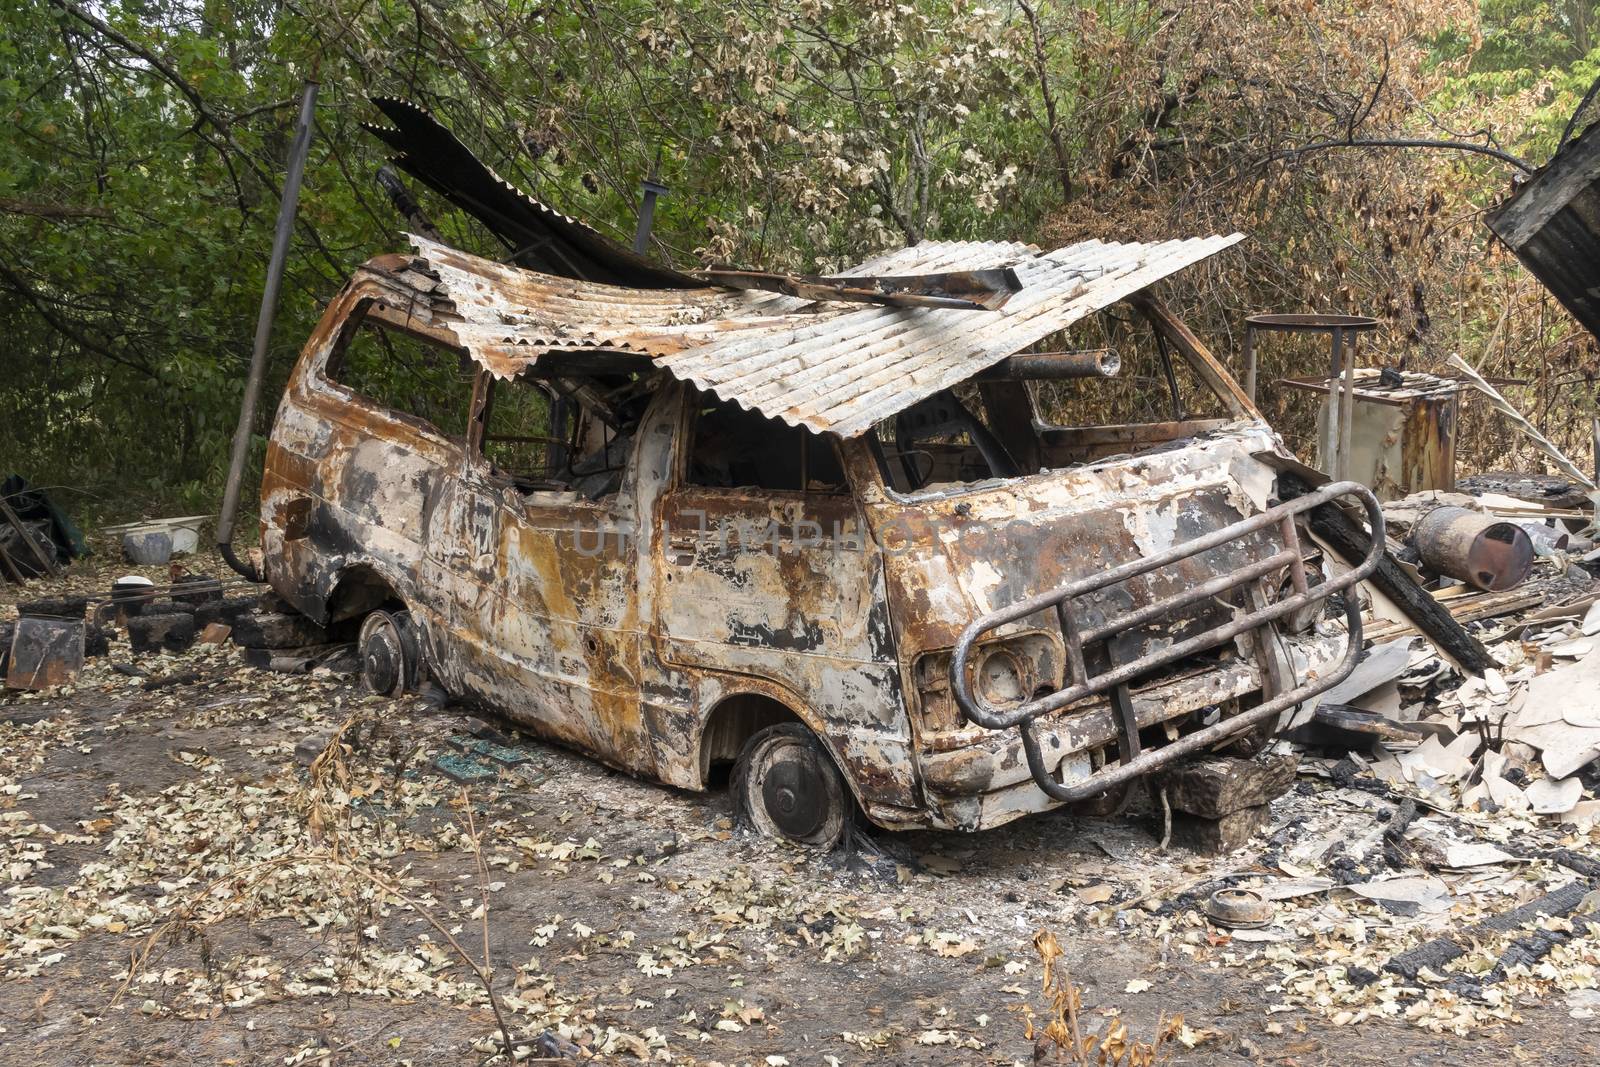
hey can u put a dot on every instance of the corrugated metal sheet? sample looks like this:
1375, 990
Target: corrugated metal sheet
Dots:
1552, 223
542, 237
829, 367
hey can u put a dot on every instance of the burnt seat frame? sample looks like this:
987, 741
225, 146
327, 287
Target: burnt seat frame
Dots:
1135, 764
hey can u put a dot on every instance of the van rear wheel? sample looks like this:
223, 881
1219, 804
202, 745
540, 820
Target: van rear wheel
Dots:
786, 785
388, 650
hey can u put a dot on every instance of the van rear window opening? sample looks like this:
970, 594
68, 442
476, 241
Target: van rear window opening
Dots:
407, 374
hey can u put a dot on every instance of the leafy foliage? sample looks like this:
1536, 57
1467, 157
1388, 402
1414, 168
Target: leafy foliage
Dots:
147, 141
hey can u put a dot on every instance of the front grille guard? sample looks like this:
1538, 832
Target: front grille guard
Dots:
1135, 764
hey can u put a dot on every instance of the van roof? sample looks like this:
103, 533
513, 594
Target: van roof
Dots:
828, 366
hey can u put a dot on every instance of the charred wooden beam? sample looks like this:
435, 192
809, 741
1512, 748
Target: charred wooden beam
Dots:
1350, 542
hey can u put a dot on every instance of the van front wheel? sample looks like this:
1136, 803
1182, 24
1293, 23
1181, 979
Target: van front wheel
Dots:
786, 785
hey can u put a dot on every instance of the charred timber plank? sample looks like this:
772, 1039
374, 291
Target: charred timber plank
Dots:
1218, 837
1221, 785
172, 632
56, 607
1576, 862
277, 630
1350, 541
1435, 955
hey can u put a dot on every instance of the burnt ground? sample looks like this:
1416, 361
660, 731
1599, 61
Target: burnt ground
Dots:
180, 886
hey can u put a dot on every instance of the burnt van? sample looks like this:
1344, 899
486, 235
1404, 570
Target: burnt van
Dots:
838, 555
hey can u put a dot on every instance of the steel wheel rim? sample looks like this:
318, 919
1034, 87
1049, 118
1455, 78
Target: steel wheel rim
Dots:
383, 656
796, 797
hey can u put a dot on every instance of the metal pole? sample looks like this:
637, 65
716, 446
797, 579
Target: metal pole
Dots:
1344, 355
258, 356
1250, 362
1347, 403
647, 213
1330, 424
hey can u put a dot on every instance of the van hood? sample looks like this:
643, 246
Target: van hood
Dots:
951, 556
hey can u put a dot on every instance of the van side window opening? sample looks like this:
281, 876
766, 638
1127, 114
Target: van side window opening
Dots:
565, 433
732, 448
406, 373
522, 438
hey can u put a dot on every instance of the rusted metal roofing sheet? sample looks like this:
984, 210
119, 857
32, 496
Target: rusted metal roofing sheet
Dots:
830, 367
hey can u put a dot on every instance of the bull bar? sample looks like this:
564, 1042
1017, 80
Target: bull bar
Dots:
1135, 764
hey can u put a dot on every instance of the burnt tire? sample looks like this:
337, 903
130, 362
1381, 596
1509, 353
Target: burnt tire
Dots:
388, 650
786, 786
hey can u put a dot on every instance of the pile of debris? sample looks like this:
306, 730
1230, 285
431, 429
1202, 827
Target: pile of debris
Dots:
1520, 734
48, 643
36, 537
1442, 872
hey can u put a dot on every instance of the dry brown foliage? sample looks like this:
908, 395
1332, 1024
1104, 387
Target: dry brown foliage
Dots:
1062, 1040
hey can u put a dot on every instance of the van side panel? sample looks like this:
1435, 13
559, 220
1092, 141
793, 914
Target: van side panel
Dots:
786, 588
347, 485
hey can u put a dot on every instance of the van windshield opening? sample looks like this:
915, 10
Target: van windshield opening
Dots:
1156, 400
942, 440
1059, 409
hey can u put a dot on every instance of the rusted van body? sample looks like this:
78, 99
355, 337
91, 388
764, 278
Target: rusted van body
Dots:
833, 547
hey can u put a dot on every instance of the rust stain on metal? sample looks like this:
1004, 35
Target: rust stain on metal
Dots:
1487, 551
45, 653
684, 571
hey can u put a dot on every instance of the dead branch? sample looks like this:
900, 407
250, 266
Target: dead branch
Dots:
1403, 142
487, 975
480, 972
1041, 70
